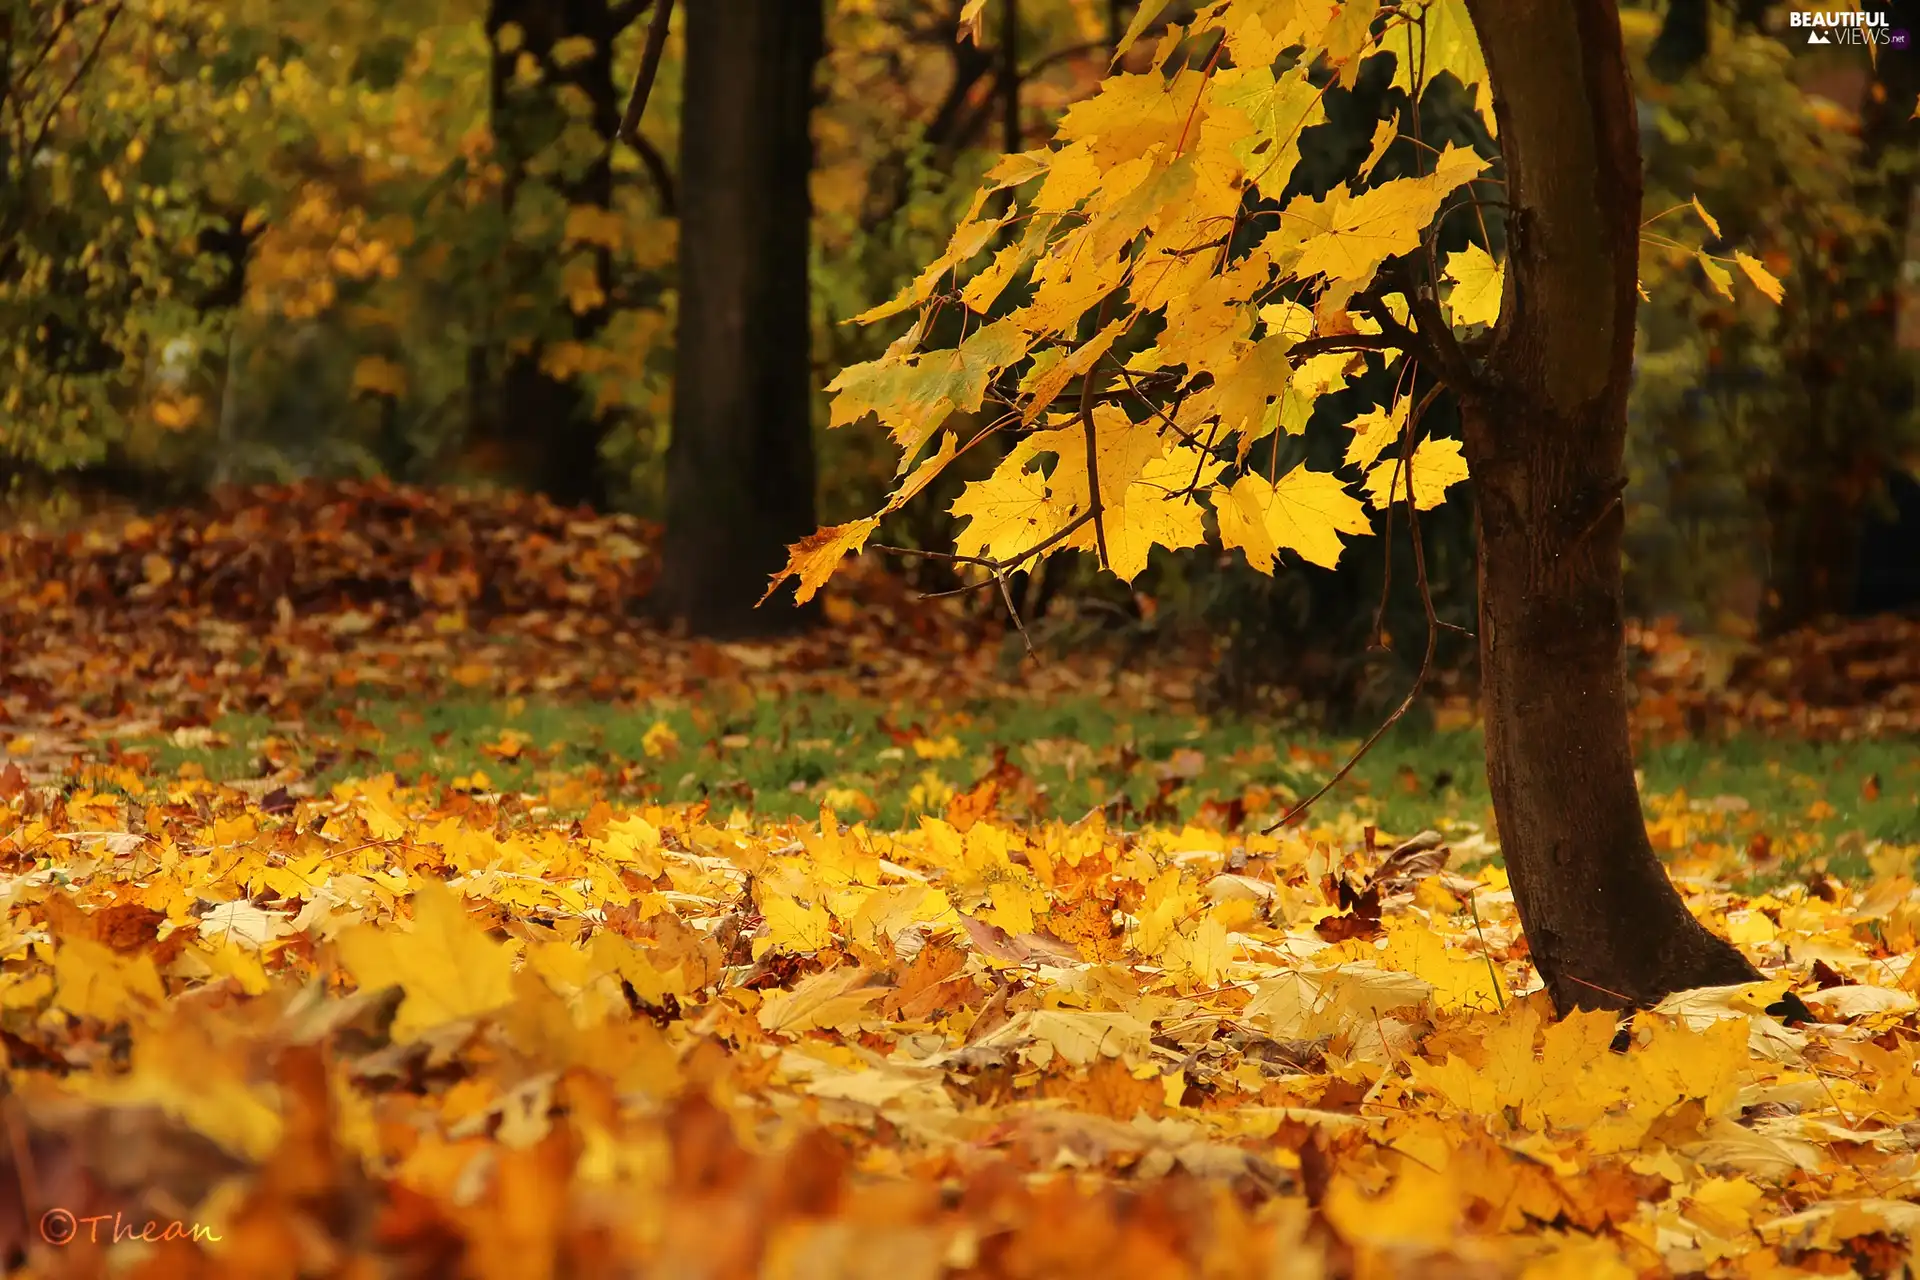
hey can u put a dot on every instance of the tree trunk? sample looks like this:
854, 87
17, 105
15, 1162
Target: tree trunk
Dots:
546, 426
1545, 427
740, 472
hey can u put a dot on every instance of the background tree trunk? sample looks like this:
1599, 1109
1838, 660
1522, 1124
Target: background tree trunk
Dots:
1545, 426
740, 470
1823, 495
546, 427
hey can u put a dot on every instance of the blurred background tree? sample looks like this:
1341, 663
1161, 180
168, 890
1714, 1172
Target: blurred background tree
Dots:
242, 241
1765, 444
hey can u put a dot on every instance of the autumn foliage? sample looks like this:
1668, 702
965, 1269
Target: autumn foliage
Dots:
1151, 300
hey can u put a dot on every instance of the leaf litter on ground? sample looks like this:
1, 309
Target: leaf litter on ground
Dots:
397, 1025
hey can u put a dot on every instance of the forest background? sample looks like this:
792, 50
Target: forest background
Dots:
245, 245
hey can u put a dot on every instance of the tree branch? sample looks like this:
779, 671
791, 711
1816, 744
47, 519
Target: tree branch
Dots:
1435, 337
1061, 55
998, 569
657, 172
649, 69
1346, 342
1098, 503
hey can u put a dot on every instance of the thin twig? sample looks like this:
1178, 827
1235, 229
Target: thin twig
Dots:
656, 167
1061, 55
998, 568
1436, 340
80, 72
1481, 934
1006, 594
989, 562
1093, 465
1626, 1000
649, 68
1186, 437
1405, 464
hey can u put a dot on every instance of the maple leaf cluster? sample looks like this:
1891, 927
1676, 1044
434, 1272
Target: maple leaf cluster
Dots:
1142, 308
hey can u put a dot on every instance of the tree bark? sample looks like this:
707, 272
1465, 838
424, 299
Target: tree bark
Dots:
1545, 426
740, 469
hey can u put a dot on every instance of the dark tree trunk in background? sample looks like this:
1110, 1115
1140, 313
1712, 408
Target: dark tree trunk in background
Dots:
1682, 41
740, 473
1821, 501
1545, 425
544, 427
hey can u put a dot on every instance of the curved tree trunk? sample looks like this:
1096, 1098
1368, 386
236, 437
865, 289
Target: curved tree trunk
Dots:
740, 473
1545, 426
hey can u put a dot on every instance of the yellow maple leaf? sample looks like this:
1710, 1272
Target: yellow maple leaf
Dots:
593, 224
660, 741
1459, 981
1241, 393
1437, 466
632, 841
580, 284
178, 413
1201, 956
835, 1000
1356, 233
1155, 510
1258, 117
1448, 44
1143, 17
1763, 280
1374, 430
1306, 512
448, 968
1713, 225
188, 1071
1718, 276
1121, 449
1073, 366
969, 238
1077, 1037
1131, 116
814, 558
1477, 283
912, 396
980, 292
90, 981
973, 19
1008, 512
1421, 1209
797, 926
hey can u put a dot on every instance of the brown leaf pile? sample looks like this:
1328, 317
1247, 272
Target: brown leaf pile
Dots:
1858, 678
270, 597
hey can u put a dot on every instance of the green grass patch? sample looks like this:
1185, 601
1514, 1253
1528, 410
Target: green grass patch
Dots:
789, 756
